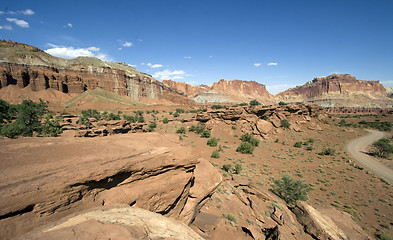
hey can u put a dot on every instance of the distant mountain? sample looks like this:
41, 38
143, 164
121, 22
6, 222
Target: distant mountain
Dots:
338, 90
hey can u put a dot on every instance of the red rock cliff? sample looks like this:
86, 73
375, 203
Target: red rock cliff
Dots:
250, 88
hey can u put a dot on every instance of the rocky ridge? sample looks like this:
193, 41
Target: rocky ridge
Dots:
338, 90
27, 66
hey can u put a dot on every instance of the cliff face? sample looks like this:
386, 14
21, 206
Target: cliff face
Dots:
224, 91
338, 90
344, 84
24, 65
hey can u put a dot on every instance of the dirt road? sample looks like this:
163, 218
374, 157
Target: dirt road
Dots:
358, 149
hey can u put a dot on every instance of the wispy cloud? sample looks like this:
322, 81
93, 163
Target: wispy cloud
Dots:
187, 57
154, 65
71, 52
127, 44
132, 65
167, 74
6, 27
68, 25
20, 23
272, 64
274, 89
257, 64
27, 12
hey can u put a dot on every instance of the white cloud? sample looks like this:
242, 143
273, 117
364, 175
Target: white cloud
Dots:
154, 65
187, 57
20, 23
71, 52
132, 65
167, 74
210, 56
272, 64
68, 25
6, 27
127, 44
27, 12
274, 89
257, 64
1, 12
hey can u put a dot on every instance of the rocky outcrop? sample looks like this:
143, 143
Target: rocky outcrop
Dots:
338, 90
116, 223
224, 91
24, 65
266, 120
45, 179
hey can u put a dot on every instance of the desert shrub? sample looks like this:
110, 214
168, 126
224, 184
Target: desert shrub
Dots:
285, 124
179, 110
255, 103
309, 148
4, 112
290, 190
327, 151
215, 154
218, 107
281, 103
230, 217
165, 120
181, 130
91, 113
383, 148
128, 118
176, 114
384, 236
14, 129
110, 116
212, 142
298, 144
198, 129
342, 123
248, 137
382, 126
152, 126
227, 167
238, 168
205, 134
50, 127
245, 148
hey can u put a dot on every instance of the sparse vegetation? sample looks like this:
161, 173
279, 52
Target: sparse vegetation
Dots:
165, 120
215, 154
232, 218
248, 144
218, 107
281, 103
255, 103
205, 133
181, 130
327, 151
291, 190
238, 168
298, 144
212, 142
227, 167
285, 124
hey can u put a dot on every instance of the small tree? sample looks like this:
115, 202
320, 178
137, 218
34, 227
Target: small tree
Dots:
285, 124
215, 154
383, 148
245, 148
281, 103
51, 127
255, 103
212, 142
290, 190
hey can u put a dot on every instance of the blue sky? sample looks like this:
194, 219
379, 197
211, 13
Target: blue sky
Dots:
277, 43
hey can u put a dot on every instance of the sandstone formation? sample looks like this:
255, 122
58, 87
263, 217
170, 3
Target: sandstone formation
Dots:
45, 179
116, 223
24, 65
235, 91
266, 120
340, 90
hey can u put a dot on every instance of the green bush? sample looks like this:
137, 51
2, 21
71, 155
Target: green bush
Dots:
179, 110
181, 130
176, 114
15, 129
198, 129
50, 127
230, 217
285, 124
327, 151
290, 190
215, 154
383, 148
205, 134
248, 137
91, 113
165, 120
343, 123
4, 112
212, 142
227, 167
281, 103
255, 103
384, 236
152, 126
245, 148
218, 107
298, 144
238, 168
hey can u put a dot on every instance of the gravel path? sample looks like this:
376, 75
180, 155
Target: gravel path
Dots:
358, 149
